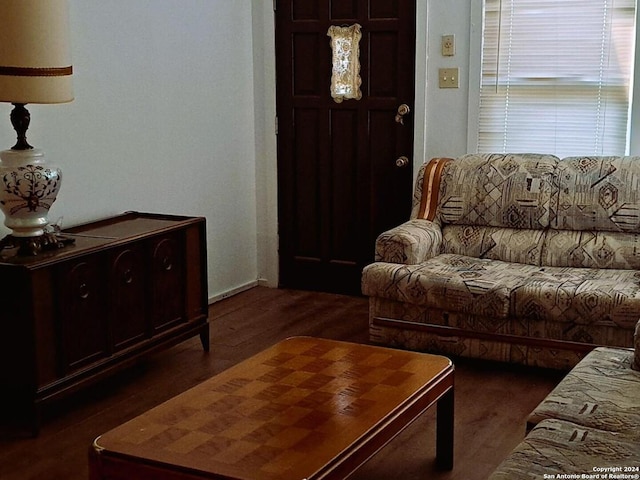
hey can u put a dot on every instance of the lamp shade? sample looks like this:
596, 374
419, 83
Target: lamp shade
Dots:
35, 57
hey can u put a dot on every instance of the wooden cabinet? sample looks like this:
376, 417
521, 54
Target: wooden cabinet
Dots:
128, 286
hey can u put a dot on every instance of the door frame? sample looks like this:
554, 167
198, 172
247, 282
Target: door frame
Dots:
264, 63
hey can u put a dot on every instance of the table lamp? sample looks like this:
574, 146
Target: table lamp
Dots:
35, 67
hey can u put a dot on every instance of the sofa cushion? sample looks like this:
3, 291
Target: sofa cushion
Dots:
498, 190
449, 282
495, 243
587, 296
558, 447
597, 193
591, 249
453, 282
601, 392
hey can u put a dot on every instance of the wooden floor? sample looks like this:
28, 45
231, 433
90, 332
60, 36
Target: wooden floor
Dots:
492, 400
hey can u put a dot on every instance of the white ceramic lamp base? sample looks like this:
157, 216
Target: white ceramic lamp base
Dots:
28, 188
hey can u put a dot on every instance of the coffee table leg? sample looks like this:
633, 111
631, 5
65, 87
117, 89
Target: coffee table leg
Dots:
444, 431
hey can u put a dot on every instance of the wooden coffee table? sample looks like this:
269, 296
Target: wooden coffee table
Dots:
306, 408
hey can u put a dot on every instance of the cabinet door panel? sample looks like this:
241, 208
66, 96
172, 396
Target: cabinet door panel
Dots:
127, 307
83, 313
167, 282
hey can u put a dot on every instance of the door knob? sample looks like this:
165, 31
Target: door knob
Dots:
402, 111
402, 162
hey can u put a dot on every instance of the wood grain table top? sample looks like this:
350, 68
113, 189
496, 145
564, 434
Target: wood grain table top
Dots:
302, 409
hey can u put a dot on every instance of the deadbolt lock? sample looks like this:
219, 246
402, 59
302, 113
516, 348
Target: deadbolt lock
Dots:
402, 162
402, 111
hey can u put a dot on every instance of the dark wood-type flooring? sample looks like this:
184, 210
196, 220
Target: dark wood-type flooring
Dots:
492, 400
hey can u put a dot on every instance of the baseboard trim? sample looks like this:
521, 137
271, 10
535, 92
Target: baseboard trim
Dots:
446, 331
233, 291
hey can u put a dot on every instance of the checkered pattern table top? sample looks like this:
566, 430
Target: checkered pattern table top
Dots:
285, 413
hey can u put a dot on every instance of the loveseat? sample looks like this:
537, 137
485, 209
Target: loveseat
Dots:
523, 258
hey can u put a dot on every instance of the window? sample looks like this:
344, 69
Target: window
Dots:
555, 76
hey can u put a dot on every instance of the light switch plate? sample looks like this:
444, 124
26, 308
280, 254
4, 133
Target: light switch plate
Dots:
448, 77
448, 45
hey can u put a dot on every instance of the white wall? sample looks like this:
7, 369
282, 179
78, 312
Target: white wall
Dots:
266, 149
446, 109
163, 121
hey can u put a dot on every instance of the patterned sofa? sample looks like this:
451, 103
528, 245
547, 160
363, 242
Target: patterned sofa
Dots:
588, 425
525, 258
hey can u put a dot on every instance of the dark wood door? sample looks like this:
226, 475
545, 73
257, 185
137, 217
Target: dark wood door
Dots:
339, 185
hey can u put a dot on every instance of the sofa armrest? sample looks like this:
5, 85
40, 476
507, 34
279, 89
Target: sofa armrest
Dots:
636, 351
410, 243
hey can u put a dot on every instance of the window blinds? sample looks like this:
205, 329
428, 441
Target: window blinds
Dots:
556, 76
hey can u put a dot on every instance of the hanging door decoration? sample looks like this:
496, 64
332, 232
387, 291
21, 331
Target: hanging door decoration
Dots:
345, 75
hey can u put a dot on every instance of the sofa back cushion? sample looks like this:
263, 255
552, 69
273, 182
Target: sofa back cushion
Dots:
597, 193
497, 190
495, 243
591, 249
